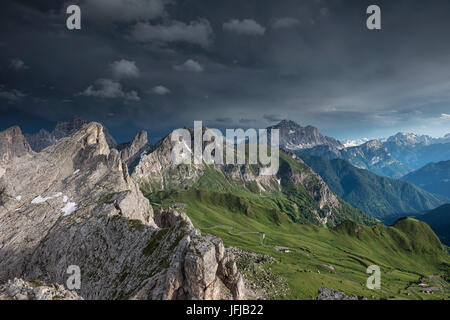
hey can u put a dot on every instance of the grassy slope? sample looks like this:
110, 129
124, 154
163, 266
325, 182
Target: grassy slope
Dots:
376, 195
215, 202
401, 259
294, 200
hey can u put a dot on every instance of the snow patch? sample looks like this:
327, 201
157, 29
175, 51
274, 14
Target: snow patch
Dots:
18, 198
300, 146
291, 131
76, 172
40, 199
2, 171
355, 143
69, 208
65, 199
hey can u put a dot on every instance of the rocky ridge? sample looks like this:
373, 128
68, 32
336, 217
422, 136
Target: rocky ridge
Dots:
132, 151
295, 137
74, 203
43, 139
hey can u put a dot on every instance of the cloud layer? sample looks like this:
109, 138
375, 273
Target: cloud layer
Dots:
109, 89
228, 63
247, 27
197, 32
124, 69
123, 10
189, 66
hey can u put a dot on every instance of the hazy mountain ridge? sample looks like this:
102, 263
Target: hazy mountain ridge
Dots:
379, 196
393, 157
434, 177
439, 220
419, 155
371, 155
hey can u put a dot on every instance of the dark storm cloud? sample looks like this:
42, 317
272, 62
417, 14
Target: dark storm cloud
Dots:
156, 65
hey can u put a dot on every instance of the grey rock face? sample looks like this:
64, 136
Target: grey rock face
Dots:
74, 203
40, 140
295, 137
331, 294
157, 171
12, 145
18, 289
134, 150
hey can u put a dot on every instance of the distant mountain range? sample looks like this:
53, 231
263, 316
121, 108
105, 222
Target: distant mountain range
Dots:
434, 177
412, 139
393, 157
371, 155
295, 137
417, 155
378, 196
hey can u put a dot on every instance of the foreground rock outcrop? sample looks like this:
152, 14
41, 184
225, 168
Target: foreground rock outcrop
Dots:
18, 289
331, 294
74, 204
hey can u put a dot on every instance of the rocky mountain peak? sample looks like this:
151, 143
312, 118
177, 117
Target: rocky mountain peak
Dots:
43, 139
130, 152
287, 124
295, 137
13, 145
373, 144
409, 139
66, 128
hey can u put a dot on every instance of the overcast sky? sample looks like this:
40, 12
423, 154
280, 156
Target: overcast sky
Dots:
161, 64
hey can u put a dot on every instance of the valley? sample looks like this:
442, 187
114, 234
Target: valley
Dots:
349, 248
